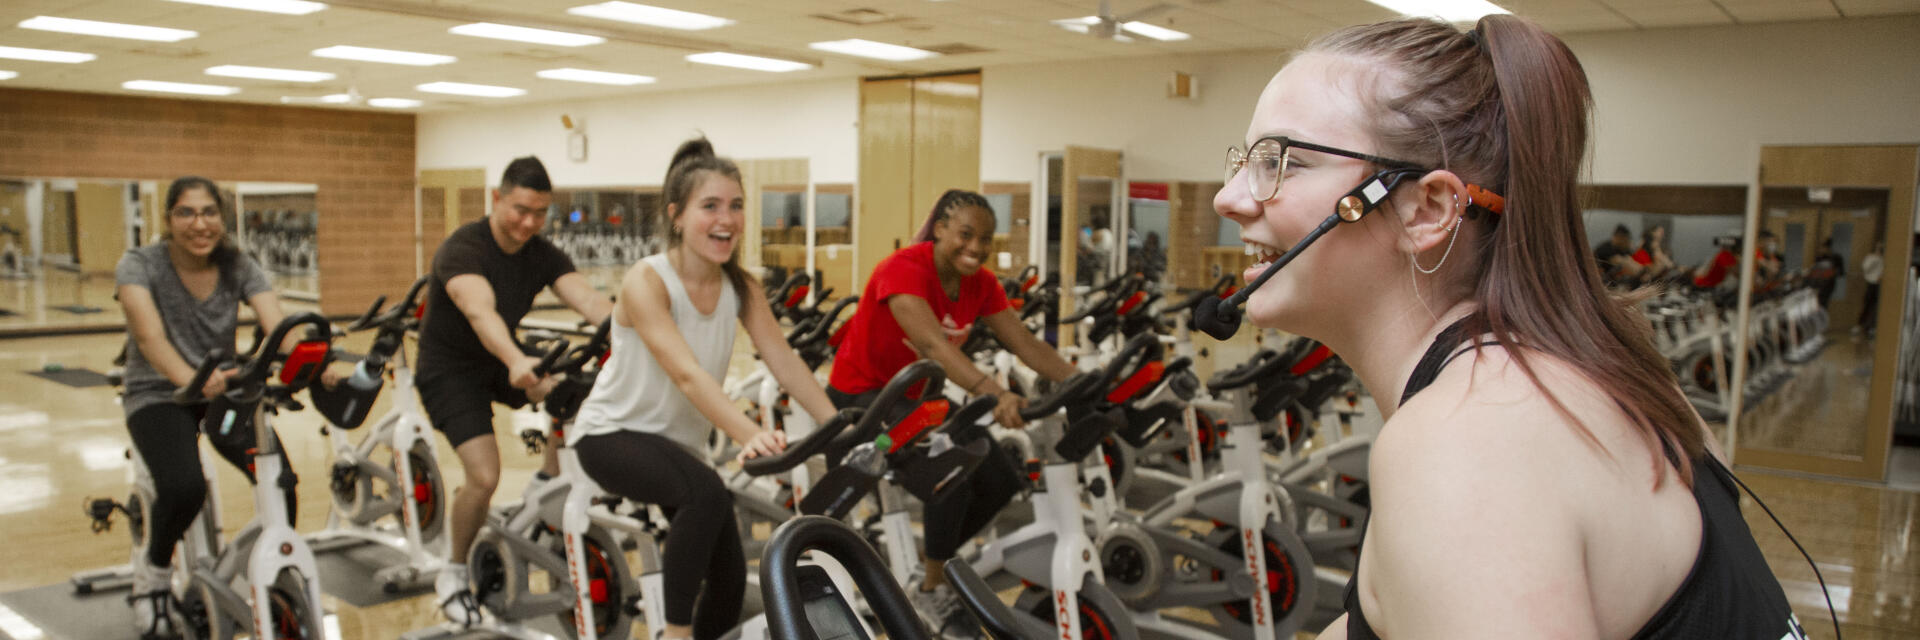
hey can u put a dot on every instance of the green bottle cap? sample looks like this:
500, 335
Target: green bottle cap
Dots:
883, 443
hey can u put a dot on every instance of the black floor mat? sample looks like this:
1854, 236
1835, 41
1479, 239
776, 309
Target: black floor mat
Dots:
77, 377
76, 309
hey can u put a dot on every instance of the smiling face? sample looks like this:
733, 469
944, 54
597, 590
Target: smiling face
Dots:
193, 223
518, 215
1306, 101
710, 220
962, 241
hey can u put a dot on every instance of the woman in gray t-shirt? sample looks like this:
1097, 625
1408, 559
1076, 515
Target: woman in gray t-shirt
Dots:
181, 296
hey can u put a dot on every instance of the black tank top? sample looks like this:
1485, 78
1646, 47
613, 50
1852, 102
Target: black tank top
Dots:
1729, 593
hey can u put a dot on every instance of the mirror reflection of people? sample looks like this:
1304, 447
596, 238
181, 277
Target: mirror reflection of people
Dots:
1825, 272
1871, 269
921, 302
1095, 247
1714, 271
1615, 257
1652, 255
1526, 406
1768, 259
182, 296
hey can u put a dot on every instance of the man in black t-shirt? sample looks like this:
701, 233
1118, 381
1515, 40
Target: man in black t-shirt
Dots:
485, 276
1616, 257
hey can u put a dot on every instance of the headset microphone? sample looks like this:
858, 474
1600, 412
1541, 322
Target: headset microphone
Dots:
1220, 317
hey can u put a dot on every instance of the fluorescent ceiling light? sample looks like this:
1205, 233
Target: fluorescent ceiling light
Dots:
1085, 25
45, 55
389, 56
393, 103
755, 63
596, 77
9, 75
106, 29
1162, 34
268, 73
1448, 10
464, 89
525, 34
650, 16
871, 49
179, 87
289, 7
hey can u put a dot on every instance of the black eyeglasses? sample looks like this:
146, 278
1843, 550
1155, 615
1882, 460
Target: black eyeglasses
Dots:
1269, 157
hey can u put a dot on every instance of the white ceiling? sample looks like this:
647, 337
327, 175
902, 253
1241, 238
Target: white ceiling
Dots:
1011, 32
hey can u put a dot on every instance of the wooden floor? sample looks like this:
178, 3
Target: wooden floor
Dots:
60, 446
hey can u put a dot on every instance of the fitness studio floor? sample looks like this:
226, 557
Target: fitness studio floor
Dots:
61, 445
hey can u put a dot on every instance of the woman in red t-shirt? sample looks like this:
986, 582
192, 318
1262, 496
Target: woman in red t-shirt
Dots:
921, 302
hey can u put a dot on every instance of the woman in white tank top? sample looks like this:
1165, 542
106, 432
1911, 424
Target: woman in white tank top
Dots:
659, 396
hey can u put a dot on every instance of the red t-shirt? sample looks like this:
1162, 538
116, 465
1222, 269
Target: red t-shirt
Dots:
1722, 262
875, 347
1643, 258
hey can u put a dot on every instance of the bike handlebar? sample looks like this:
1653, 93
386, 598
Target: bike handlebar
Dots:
798, 452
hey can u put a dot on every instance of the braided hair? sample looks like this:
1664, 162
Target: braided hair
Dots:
949, 202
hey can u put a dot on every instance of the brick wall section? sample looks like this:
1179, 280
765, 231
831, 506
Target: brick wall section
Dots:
362, 161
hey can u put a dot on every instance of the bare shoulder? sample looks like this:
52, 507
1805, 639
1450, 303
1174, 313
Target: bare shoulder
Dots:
1483, 465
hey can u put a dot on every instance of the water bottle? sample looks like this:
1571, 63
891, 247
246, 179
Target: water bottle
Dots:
366, 375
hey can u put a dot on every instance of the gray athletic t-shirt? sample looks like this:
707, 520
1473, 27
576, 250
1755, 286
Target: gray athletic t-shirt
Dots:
194, 327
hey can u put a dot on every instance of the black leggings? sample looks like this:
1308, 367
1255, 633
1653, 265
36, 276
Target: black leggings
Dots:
703, 543
168, 439
967, 508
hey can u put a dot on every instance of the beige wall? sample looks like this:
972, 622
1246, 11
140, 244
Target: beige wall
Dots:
101, 209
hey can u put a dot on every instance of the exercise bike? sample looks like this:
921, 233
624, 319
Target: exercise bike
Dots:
387, 489
265, 581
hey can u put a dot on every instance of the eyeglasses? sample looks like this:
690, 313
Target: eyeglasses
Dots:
1267, 160
187, 214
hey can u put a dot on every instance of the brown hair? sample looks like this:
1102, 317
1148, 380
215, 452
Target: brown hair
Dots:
693, 158
1507, 105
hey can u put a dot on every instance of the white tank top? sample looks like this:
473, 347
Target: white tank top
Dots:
633, 393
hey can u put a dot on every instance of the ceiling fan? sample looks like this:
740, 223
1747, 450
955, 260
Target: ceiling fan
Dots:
1115, 27
351, 97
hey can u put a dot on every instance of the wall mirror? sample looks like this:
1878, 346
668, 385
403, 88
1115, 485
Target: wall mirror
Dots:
60, 239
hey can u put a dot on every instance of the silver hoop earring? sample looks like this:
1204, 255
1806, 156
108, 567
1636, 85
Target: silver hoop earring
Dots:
1415, 258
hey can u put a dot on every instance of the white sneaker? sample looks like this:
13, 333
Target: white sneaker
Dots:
154, 610
456, 597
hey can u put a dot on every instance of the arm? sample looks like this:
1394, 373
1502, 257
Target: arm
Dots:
579, 296
474, 296
1336, 630
645, 307
1028, 347
266, 308
786, 366
926, 336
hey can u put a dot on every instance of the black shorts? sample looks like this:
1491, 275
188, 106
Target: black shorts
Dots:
459, 400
